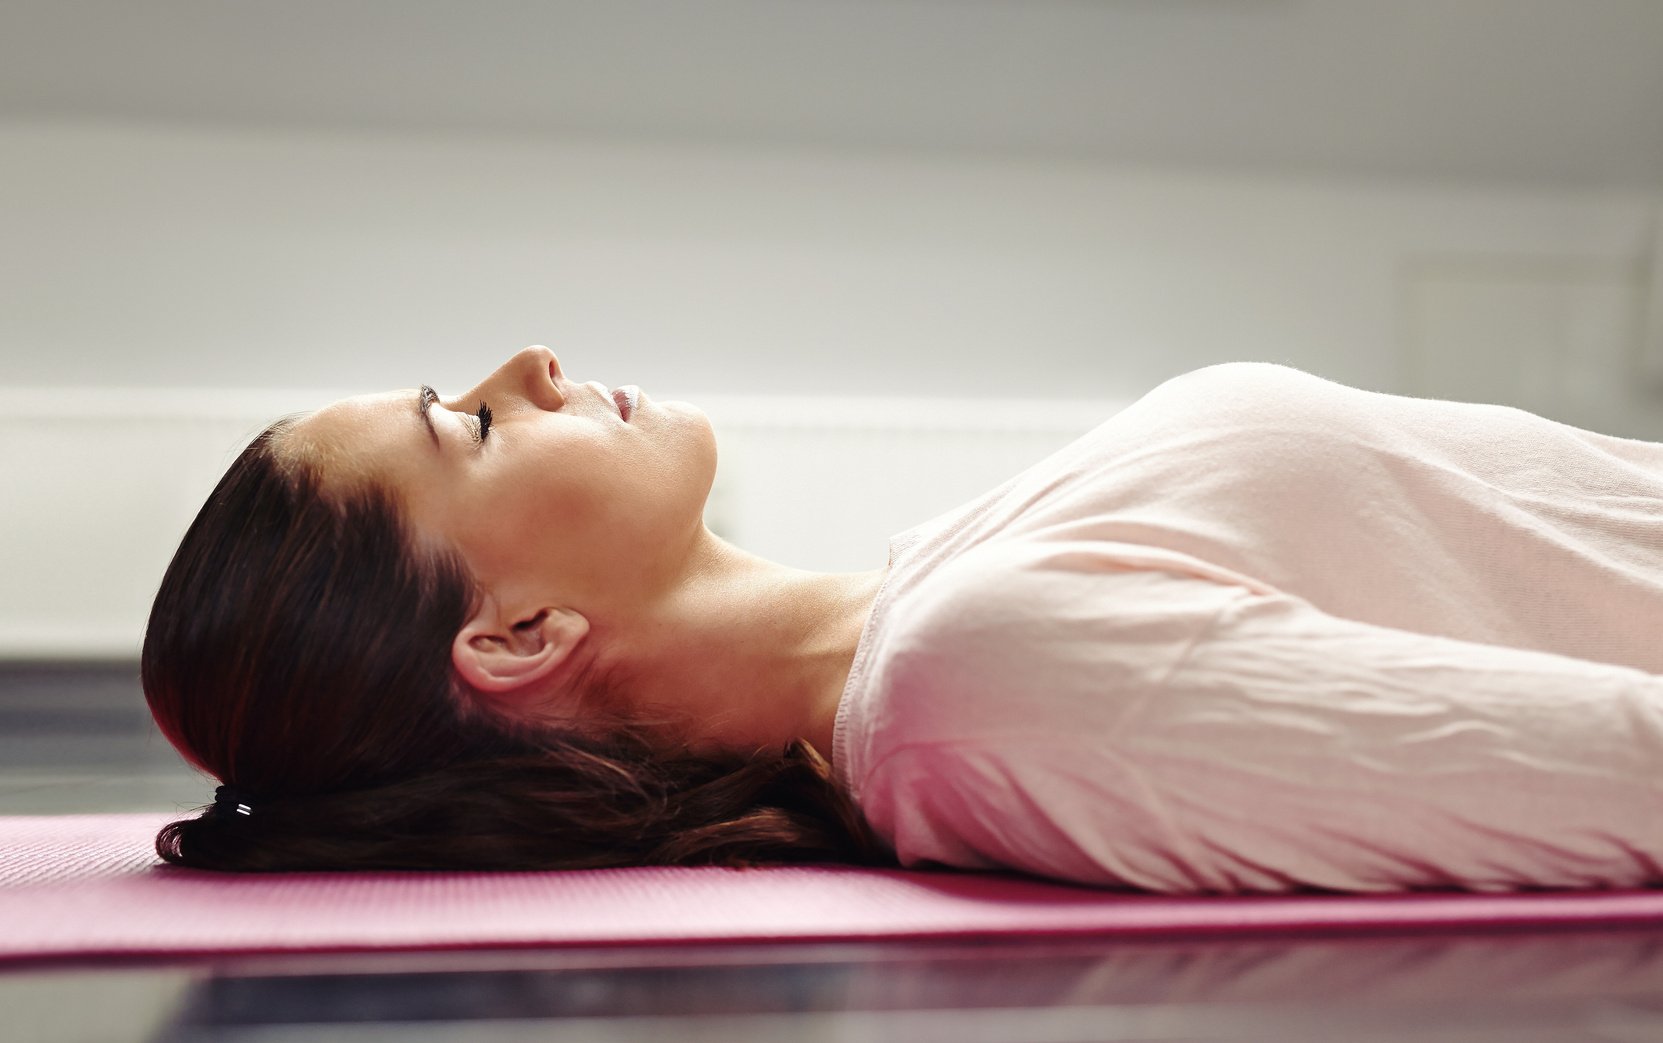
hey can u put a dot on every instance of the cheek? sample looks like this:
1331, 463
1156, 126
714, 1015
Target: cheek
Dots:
563, 505
529, 517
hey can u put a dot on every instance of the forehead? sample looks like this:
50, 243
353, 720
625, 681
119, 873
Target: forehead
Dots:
366, 437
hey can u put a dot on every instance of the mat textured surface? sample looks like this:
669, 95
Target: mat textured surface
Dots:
85, 885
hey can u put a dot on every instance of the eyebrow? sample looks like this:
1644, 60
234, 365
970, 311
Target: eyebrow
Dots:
425, 399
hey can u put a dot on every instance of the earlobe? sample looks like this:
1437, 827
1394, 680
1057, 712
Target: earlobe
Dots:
499, 655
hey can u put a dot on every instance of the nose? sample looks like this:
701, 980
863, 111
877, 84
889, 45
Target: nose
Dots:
532, 374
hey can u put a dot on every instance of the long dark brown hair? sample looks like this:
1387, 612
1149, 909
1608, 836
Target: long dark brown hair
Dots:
299, 650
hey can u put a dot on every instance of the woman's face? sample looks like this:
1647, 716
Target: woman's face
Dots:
562, 502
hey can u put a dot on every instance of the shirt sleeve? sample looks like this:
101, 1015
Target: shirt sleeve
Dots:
1262, 745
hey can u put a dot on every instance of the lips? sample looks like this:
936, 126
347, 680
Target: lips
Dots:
620, 398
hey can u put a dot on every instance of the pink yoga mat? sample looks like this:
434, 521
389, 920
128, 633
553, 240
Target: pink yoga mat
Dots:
84, 885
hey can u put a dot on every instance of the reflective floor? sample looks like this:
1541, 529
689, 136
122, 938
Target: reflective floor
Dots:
1516, 988
77, 740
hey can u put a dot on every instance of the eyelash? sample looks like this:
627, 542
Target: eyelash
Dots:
484, 415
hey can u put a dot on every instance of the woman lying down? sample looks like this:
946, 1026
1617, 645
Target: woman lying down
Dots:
1258, 632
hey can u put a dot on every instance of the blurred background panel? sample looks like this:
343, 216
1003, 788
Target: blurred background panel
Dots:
898, 249
959, 197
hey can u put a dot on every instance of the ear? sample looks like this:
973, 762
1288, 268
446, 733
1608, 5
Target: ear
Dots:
495, 652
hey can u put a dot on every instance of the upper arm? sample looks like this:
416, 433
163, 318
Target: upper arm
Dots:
1233, 740
1040, 636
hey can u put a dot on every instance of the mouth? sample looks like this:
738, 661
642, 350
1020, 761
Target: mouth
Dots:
626, 398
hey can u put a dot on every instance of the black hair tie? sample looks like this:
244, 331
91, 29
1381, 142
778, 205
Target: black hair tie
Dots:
229, 800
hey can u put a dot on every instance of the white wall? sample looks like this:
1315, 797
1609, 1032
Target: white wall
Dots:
157, 257
191, 275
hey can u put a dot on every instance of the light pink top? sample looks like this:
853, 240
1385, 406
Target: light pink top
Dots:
1260, 631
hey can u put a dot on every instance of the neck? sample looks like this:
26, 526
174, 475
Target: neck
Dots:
744, 653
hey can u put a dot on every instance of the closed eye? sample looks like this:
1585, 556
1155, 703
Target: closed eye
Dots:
483, 414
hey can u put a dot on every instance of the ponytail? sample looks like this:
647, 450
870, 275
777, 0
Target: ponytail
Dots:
568, 808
